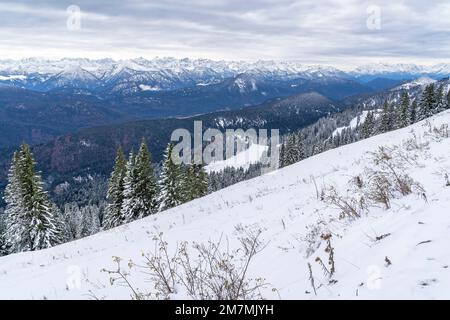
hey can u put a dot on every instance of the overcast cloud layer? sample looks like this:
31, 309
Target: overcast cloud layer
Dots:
322, 31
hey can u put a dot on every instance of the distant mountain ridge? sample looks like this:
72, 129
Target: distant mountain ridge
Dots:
125, 76
135, 75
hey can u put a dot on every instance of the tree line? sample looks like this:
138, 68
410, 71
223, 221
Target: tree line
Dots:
393, 115
134, 191
32, 221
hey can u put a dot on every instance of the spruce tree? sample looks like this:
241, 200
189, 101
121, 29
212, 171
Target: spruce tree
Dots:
300, 147
3, 247
81, 222
387, 118
44, 228
188, 176
367, 128
213, 182
336, 140
282, 155
413, 112
73, 221
113, 216
294, 150
447, 104
147, 187
289, 153
171, 184
195, 182
141, 190
427, 103
90, 220
318, 148
404, 117
15, 225
33, 221
439, 100
129, 202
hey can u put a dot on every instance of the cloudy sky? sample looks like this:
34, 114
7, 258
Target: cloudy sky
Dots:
335, 32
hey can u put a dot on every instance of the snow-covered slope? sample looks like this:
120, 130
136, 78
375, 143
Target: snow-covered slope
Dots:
243, 159
413, 235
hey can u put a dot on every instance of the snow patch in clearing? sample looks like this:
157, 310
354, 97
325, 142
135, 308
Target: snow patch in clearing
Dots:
243, 159
13, 77
356, 121
145, 87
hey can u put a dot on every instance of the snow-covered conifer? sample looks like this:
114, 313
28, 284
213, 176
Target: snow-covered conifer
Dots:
129, 203
427, 103
141, 189
404, 117
413, 112
440, 103
294, 150
113, 216
447, 103
171, 185
282, 155
90, 220
33, 221
367, 128
15, 210
387, 118
195, 182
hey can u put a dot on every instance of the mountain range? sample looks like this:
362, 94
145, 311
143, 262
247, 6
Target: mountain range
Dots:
41, 99
125, 77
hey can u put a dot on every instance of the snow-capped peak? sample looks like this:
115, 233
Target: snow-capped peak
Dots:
170, 73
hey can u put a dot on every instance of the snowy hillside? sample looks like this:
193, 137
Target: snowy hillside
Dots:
400, 252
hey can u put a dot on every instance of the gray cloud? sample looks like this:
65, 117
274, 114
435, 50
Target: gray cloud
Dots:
327, 31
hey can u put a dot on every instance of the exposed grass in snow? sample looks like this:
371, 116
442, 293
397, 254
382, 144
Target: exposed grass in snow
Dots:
395, 251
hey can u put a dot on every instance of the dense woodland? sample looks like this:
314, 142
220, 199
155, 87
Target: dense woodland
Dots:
32, 221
